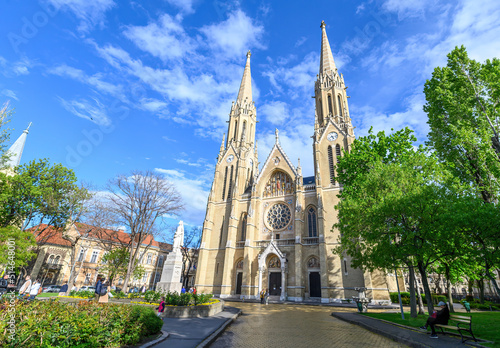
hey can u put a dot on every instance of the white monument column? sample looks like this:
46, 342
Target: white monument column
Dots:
172, 267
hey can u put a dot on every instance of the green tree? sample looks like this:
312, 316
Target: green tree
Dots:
391, 204
5, 114
40, 193
116, 262
16, 247
463, 101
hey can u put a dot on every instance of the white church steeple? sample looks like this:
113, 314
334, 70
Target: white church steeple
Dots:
16, 150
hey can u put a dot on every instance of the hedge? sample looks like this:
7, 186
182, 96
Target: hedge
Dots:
405, 298
85, 324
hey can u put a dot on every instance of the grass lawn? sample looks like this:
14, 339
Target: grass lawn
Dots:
48, 294
485, 325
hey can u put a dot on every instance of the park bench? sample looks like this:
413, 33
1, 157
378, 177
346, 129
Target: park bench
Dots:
466, 323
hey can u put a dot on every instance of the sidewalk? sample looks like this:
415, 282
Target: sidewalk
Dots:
191, 332
411, 337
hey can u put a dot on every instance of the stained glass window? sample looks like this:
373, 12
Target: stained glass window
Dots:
279, 184
279, 216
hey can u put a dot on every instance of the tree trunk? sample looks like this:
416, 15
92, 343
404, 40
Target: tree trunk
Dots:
421, 309
129, 267
448, 287
470, 284
413, 301
480, 285
492, 278
425, 284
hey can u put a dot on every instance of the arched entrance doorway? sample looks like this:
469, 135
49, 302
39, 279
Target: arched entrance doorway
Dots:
276, 270
313, 268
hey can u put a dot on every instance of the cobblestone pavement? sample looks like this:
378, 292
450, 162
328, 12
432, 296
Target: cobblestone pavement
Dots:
286, 326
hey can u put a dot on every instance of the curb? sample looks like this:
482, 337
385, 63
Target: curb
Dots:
398, 339
210, 339
163, 337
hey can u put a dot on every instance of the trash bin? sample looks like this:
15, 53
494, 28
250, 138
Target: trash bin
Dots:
360, 306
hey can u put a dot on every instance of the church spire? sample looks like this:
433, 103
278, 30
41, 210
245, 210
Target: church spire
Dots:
326, 63
245, 91
16, 150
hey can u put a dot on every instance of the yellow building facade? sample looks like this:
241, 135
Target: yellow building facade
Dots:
272, 228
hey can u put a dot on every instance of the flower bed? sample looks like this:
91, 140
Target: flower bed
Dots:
85, 324
198, 311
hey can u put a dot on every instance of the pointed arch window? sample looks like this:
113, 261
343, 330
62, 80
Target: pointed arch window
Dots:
330, 165
337, 152
312, 222
51, 259
243, 131
230, 185
243, 235
235, 130
340, 105
330, 106
57, 259
224, 187
320, 112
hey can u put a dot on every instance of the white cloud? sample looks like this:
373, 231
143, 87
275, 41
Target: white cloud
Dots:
165, 39
275, 112
153, 105
94, 112
413, 116
9, 94
90, 13
236, 35
408, 8
185, 6
194, 193
295, 80
94, 80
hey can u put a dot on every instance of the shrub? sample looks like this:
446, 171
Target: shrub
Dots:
118, 294
82, 294
201, 298
84, 324
153, 296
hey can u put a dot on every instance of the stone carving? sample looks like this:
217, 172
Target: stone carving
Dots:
274, 262
239, 265
313, 262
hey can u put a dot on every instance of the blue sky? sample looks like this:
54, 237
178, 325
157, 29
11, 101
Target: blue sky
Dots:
112, 86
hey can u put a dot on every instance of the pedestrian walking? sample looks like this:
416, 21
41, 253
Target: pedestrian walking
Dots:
36, 289
183, 290
262, 294
266, 296
103, 298
63, 290
194, 290
26, 288
98, 288
161, 307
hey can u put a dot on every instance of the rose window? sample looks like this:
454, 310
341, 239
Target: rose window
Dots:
279, 216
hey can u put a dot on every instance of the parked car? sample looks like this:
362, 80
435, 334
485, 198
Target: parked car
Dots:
87, 288
51, 288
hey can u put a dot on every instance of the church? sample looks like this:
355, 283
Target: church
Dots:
272, 228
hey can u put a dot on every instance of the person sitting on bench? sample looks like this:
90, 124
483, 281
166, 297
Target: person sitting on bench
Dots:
440, 317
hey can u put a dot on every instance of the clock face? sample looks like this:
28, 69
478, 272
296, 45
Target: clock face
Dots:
230, 158
332, 136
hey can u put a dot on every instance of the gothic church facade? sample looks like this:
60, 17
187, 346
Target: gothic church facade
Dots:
272, 228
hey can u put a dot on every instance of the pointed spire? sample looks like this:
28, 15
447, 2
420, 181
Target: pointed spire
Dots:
245, 92
222, 144
276, 134
326, 63
16, 150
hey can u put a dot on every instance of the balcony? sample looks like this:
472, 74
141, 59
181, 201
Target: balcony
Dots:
310, 240
279, 242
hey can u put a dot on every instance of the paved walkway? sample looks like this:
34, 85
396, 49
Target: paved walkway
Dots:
410, 337
190, 332
278, 325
